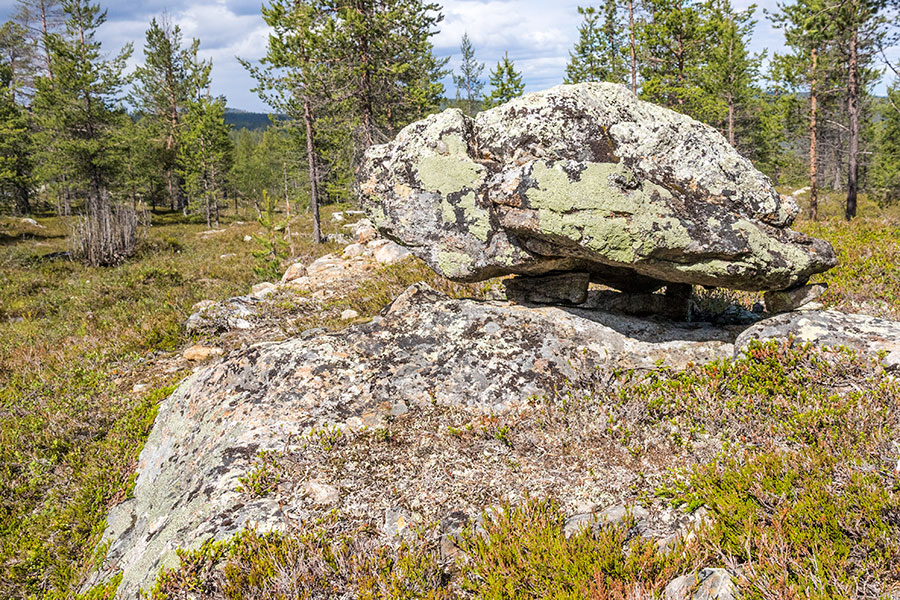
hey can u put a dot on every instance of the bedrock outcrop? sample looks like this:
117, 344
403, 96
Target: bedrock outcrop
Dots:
442, 375
586, 178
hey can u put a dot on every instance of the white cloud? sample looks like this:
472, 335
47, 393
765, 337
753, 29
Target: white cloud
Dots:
538, 35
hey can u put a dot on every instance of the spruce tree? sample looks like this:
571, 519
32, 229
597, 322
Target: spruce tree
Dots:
886, 167
78, 113
506, 83
468, 82
15, 160
164, 85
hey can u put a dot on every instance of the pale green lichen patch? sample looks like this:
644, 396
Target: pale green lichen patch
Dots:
477, 218
621, 225
449, 174
376, 214
454, 264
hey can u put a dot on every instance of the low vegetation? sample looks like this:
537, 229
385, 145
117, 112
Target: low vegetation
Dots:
803, 500
87, 353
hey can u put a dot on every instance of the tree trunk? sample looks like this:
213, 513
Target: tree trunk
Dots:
813, 159
311, 161
631, 36
731, 120
853, 114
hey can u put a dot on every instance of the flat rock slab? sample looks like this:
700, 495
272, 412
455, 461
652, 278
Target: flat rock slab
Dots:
868, 335
425, 350
586, 178
426, 353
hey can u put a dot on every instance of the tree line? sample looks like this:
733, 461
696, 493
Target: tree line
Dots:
80, 135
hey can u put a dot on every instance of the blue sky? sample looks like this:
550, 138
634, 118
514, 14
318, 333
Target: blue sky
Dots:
538, 35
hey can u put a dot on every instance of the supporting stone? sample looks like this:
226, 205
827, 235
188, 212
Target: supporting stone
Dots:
562, 288
788, 300
675, 307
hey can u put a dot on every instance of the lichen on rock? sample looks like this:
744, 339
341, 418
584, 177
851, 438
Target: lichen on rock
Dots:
586, 178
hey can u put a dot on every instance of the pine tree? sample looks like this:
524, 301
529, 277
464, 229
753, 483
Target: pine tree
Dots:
15, 160
18, 54
297, 79
506, 83
585, 61
205, 154
731, 71
598, 54
808, 31
674, 42
383, 48
468, 82
78, 113
862, 28
164, 85
39, 19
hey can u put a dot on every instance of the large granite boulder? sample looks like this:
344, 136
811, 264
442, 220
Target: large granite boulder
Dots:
586, 178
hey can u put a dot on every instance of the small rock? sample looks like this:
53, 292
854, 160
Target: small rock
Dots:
202, 305
311, 333
261, 290
301, 283
613, 515
226, 256
295, 271
758, 308
329, 262
248, 238
238, 223
565, 288
32, 222
349, 314
239, 323
708, 584
399, 409
396, 523
211, 232
139, 387
320, 492
892, 361
198, 353
337, 217
390, 253
365, 235
354, 250
788, 300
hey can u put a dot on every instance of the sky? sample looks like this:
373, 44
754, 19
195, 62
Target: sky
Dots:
538, 35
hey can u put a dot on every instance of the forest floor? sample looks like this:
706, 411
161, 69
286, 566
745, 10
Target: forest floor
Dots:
87, 353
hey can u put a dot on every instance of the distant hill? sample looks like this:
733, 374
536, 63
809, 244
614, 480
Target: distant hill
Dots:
244, 119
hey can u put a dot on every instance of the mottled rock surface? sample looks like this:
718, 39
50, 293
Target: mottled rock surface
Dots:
868, 335
445, 382
792, 299
425, 353
585, 178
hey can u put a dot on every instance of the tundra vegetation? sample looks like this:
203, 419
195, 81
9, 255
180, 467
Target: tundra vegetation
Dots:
111, 185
